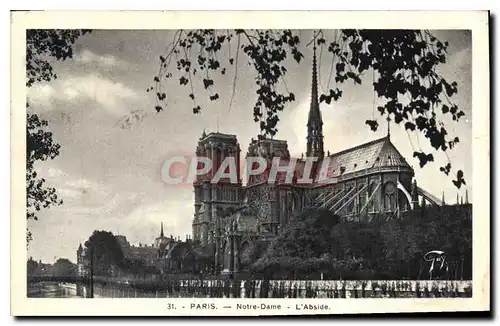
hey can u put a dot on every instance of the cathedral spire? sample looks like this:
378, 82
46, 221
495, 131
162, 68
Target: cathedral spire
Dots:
161, 231
315, 122
388, 126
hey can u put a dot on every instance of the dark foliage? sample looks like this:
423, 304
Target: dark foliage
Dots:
64, 268
106, 252
39, 147
319, 242
32, 266
43, 47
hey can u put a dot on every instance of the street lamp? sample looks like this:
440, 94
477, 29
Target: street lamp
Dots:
91, 268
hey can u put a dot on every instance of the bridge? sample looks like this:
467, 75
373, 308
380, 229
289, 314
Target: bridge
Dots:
57, 279
84, 279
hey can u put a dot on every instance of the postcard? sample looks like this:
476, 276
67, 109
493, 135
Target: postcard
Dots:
249, 163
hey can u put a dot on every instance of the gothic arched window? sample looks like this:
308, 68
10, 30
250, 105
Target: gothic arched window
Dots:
390, 197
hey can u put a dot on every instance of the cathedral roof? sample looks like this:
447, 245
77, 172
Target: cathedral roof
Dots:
377, 153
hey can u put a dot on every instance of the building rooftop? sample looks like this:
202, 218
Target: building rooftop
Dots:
377, 153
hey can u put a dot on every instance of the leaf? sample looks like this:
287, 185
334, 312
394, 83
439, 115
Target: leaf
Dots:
460, 179
423, 158
336, 94
213, 64
161, 96
410, 126
373, 124
207, 83
298, 56
446, 169
350, 75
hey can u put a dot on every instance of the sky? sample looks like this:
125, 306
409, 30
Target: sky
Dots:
109, 177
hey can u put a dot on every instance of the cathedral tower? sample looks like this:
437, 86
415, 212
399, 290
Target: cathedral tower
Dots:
315, 122
212, 198
80, 261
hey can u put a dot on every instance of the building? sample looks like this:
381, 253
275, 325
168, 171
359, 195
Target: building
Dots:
368, 180
156, 255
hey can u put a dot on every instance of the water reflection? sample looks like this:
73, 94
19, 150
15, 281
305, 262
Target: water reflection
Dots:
52, 290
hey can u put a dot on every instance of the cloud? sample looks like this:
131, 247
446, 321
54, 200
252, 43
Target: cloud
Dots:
144, 221
109, 95
53, 172
89, 57
461, 59
80, 193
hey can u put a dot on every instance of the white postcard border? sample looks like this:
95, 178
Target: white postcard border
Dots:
476, 21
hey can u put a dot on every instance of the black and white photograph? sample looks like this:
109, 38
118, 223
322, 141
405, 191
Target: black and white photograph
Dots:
252, 164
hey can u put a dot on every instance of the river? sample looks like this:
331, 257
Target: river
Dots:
52, 290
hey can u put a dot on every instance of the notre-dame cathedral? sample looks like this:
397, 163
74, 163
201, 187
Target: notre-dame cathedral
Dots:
368, 180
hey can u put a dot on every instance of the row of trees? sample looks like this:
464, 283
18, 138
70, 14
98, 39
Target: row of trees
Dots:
63, 267
319, 242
